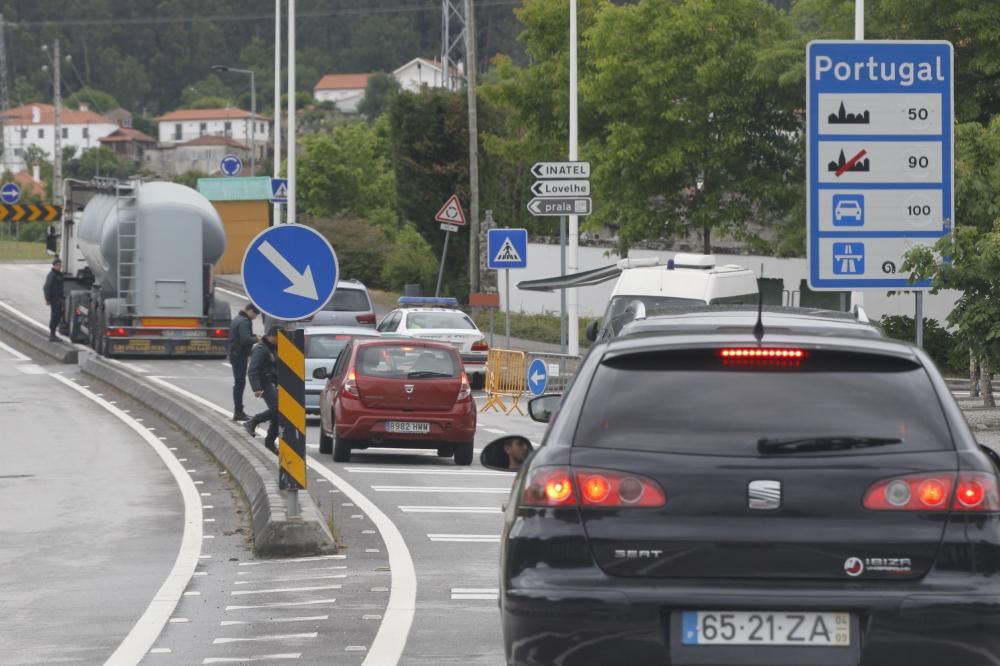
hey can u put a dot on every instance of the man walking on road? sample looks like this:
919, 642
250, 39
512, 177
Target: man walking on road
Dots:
241, 341
263, 375
53, 290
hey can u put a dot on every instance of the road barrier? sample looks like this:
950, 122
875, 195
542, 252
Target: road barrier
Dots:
561, 369
504, 379
292, 410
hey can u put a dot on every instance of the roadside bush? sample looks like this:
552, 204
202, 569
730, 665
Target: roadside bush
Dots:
411, 261
951, 357
359, 246
534, 327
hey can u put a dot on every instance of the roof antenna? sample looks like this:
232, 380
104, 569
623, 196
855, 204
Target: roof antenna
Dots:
758, 328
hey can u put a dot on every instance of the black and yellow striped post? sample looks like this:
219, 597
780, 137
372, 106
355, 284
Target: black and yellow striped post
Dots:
292, 410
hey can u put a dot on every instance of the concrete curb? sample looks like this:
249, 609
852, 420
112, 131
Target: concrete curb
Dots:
35, 338
275, 533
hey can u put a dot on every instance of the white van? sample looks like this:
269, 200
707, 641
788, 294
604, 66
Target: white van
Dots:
648, 287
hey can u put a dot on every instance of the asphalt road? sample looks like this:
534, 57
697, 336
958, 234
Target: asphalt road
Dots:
449, 518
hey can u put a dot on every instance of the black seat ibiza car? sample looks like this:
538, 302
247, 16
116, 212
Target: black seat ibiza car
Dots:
705, 498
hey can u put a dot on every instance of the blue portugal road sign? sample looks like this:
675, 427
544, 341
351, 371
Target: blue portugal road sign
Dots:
279, 190
506, 248
289, 271
231, 165
10, 193
538, 377
880, 162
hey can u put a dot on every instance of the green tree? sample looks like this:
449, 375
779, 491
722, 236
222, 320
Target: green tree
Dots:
361, 247
378, 94
347, 170
700, 131
98, 100
211, 87
411, 261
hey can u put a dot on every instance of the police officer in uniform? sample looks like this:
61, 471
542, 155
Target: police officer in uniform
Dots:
263, 376
53, 290
241, 341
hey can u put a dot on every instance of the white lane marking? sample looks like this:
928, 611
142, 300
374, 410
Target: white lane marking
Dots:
355, 648
311, 588
310, 618
495, 431
31, 369
296, 560
474, 593
227, 364
176, 620
257, 657
441, 489
18, 356
290, 579
387, 647
451, 509
20, 315
160, 651
273, 637
465, 538
231, 293
425, 472
149, 626
284, 604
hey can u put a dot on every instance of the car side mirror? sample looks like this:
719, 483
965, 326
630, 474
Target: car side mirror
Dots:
543, 407
495, 455
592, 331
319, 373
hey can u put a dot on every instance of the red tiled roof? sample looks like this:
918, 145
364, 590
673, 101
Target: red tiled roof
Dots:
25, 115
213, 140
127, 134
27, 182
342, 82
228, 113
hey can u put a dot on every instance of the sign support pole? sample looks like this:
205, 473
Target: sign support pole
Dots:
919, 319
573, 337
858, 297
291, 414
444, 255
562, 292
276, 136
507, 308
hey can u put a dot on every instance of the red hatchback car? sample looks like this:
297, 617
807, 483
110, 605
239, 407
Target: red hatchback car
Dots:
401, 393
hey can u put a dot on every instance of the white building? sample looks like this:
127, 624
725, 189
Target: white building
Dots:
345, 90
34, 125
184, 125
421, 72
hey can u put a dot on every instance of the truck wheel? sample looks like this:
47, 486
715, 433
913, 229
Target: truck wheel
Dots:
463, 453
325, 442
341, 449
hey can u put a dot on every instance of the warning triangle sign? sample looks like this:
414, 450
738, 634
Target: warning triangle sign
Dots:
451, 212
508, 253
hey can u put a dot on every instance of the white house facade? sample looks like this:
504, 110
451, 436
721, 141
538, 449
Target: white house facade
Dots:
345, 90
421, 72
34, 125
185, 125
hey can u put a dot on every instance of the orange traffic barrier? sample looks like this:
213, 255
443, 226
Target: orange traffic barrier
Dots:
504, 379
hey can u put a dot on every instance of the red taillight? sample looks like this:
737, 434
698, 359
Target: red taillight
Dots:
220, 333
117, 333
465, 390
366, 319
974, 491
762, 353
754, 357
351, 384
480, 345
558, 486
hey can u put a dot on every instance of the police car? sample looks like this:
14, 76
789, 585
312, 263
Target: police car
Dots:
433, 318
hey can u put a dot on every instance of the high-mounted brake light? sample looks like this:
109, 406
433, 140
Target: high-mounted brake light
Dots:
939, 491
560, 486
762, 353
351, 384
761, 357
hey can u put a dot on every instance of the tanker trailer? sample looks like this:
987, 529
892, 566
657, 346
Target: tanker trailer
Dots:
150, 251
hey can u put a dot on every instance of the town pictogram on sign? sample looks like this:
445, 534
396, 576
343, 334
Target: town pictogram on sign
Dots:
451, 212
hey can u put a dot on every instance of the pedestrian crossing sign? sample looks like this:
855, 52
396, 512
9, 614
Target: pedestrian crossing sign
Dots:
279, 190
507, 248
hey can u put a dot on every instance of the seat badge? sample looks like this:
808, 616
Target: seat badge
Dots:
764, 495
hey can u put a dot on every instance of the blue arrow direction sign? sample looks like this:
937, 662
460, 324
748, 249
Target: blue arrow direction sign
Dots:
231, 165
279, 190
10, 193
538, 377
289, 271
506, 248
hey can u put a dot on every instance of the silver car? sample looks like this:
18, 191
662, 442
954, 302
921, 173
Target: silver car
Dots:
350, 306
323, 346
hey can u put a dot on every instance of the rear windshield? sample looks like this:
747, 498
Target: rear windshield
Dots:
348, 300
326, 345
419, 320
407, 362
698, 402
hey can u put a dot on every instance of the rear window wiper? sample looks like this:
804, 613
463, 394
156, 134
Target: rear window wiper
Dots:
834, 443
427, 373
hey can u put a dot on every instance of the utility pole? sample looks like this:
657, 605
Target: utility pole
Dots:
57, 146
470, 74
4, 85
573, 334
276, 136
291, 218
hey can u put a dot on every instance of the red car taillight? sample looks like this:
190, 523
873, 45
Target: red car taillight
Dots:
465, 390
480, 346
366, 318
559, 486
220, 333
351, 384
974, 491
117, 333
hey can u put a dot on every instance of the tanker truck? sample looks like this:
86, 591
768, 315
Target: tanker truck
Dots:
139, 260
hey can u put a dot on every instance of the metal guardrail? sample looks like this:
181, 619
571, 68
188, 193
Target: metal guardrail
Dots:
561, 369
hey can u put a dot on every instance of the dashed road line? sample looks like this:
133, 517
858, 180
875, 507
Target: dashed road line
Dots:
258, 657
309, 618
441, 489
465, 538
313, 588
291, 579
474, 593
451, 509
426, 472
274, 637
284, 604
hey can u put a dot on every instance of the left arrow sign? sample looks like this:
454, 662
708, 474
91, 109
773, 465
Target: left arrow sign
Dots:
303, 283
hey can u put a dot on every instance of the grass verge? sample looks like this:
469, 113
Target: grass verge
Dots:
534, 327
21, 251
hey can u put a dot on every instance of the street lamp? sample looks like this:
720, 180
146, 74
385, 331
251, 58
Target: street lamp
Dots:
253, 112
